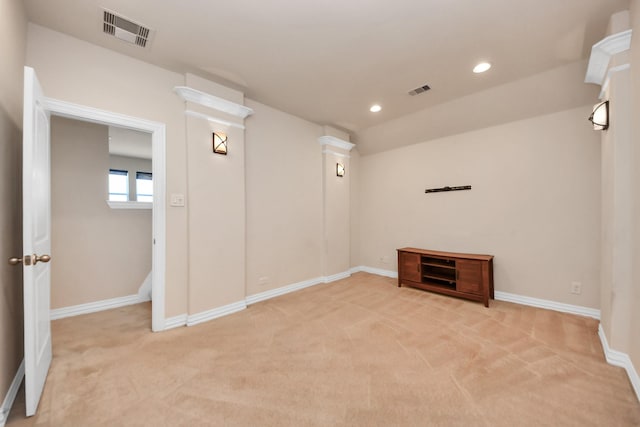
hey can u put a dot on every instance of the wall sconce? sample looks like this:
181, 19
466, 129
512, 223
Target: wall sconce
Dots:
220, 143
600, 116
339, 170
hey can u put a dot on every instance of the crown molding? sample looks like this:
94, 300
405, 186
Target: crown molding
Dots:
601, 54
213, 119
335, 153
196, 96
607, 80
335, 142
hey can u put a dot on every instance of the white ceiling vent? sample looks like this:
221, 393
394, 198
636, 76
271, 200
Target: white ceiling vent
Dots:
419, 90
125, 30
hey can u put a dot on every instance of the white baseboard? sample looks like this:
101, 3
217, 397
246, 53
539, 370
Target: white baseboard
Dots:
272, 293
11, 395
617, 358
92, 307
373, 270
337, 276
550, 305
204, 316
175, 321
505, 296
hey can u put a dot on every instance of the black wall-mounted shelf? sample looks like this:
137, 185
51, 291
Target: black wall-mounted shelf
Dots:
440, 190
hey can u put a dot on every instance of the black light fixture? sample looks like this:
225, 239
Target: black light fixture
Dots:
600, 116
220, 143
339, 170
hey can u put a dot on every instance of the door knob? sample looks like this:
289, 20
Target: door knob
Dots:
15, 261
29, 259
41, 258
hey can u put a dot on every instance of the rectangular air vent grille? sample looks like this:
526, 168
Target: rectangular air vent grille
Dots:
125, 30
419, 90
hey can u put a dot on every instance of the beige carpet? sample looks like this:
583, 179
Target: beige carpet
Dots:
358, 352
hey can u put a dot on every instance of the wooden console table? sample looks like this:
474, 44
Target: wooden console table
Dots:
467, 276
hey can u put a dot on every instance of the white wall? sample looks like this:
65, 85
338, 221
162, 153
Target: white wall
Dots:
206, 244
100, 253
13, 27
534, 205
337, 198
216, 198
617, 214
634, 320
284, 199
79, 72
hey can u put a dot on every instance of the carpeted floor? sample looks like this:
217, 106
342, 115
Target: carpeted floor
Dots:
357, 352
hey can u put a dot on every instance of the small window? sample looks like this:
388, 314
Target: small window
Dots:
118, 185
144, 187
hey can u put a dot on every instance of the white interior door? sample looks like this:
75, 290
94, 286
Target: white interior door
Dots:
36, 211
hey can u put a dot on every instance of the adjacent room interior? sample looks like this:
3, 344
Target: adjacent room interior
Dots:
299, 152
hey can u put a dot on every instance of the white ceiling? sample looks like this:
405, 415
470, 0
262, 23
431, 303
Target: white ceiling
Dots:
329, 60
129, 143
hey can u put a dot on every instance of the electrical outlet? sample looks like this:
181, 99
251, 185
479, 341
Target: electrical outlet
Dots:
576, 288
263, 281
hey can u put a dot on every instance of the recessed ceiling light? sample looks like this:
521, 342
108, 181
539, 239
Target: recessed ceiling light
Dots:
481, 67
375, 108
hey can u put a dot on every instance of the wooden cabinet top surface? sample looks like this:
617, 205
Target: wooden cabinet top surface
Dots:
447, 254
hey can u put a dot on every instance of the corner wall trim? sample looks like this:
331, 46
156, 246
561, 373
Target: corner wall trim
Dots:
175, 321
92, 307
550, 305
617, 358
11, 395
204, 316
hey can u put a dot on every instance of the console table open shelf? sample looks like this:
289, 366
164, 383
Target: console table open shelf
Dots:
467, 276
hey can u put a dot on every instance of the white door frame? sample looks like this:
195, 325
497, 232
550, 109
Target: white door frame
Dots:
158, 143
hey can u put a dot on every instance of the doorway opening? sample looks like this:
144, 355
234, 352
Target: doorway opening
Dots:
158, 145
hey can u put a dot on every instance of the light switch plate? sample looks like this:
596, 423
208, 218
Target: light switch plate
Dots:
177, 200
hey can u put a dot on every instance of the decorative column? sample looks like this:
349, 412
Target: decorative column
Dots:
609, 68
215, 199
336, 203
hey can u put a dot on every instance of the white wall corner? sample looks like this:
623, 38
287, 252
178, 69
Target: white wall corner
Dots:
601, 54
144, 292
211, 101
10, 397
617, 358
335, 142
